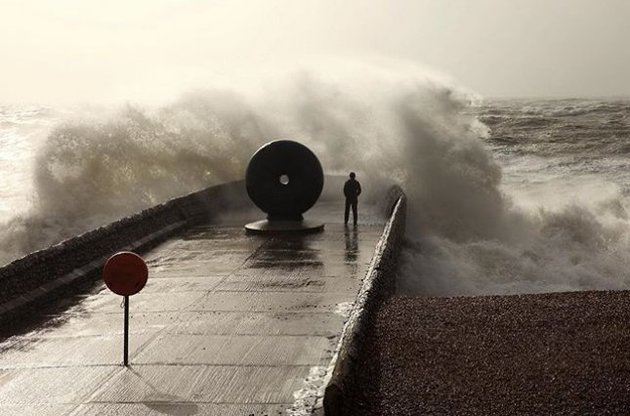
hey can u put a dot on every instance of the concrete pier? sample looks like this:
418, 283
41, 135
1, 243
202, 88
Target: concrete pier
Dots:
228, 324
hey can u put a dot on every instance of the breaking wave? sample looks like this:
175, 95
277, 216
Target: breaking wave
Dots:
469, 231
556, 221
100, 164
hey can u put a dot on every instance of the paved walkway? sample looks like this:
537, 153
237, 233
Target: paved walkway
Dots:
228, 324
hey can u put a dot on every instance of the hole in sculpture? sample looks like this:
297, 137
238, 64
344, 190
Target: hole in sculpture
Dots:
284, 179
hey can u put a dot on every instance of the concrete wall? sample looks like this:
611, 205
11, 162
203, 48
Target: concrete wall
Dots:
378, 284
36, 277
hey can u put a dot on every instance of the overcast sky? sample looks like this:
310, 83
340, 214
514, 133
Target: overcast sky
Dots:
87, 50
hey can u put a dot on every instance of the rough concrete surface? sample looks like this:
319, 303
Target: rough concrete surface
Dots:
548, 354
228, 324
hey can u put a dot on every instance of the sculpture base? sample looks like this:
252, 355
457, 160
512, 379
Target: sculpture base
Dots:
284, 227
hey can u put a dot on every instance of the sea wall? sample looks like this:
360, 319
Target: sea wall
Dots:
41, 275
378, 285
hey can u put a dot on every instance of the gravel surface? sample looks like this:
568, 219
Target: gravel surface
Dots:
561, 353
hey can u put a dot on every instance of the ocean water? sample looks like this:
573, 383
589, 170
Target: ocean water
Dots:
563, 212
556, 151
506, 196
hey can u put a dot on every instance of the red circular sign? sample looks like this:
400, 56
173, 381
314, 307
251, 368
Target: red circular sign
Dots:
125, 273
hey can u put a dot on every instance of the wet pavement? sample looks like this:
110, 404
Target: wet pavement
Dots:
228, 324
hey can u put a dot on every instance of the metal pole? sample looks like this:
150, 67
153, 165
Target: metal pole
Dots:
126, 341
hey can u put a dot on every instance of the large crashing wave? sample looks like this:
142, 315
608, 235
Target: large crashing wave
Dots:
93, 169
96, 167
464, 235
573, 235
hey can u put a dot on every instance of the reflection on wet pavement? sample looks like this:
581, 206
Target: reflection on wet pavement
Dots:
352, 244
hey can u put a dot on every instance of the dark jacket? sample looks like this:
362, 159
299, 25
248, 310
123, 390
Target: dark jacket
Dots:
352, 189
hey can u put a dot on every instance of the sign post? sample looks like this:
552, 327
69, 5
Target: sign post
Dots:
125, 274
126, 334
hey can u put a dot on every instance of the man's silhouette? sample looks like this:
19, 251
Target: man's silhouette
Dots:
352, 190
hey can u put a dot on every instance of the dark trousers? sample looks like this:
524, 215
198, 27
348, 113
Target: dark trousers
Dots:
353, 204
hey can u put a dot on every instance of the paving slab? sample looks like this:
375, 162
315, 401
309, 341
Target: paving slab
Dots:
262, 302
208, 322
281, 283
270, 324
228, 324
202, 383
36, 410
167, 407
66, 351
51, 385
183, 284
237, 350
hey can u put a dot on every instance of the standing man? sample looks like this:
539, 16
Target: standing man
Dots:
351, 190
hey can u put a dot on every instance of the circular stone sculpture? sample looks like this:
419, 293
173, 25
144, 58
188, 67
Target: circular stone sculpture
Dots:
284, 179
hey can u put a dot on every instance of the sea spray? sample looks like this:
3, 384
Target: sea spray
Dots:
101, 165
95, 168
567, 227
468, 232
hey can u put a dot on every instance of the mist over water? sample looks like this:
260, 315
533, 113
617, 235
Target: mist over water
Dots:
506, 197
